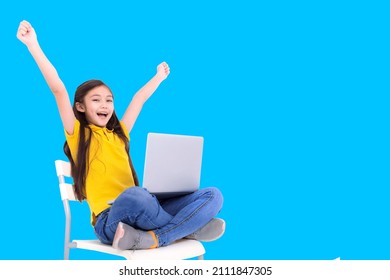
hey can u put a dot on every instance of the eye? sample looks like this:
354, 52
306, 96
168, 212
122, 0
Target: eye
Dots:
95, 100
110, 100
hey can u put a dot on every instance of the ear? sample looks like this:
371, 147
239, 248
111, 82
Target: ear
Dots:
80, 107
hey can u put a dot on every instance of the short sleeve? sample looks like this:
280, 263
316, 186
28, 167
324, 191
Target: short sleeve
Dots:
125, 130
72, 140
76, 130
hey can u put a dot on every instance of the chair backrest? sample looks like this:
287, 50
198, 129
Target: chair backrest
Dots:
64, 171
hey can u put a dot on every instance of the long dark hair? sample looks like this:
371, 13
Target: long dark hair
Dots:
79, 171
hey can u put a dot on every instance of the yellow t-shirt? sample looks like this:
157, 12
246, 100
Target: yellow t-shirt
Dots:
109, 172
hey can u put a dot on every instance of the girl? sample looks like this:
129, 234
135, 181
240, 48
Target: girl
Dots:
97, 145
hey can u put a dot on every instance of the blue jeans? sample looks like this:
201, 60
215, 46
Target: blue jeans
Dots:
170, 219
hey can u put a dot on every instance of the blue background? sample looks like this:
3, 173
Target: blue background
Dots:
290, 96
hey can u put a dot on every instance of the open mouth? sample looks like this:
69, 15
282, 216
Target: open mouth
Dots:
102, 115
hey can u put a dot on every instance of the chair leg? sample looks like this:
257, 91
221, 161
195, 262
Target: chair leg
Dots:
66, 252
68, 220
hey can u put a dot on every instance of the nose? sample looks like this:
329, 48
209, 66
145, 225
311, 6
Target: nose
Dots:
104, 105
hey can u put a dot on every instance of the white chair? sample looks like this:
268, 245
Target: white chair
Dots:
181, 249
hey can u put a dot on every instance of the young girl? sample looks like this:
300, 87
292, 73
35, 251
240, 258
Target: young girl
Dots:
97, 145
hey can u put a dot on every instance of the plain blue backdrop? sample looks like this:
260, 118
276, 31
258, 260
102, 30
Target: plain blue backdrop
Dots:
291, 98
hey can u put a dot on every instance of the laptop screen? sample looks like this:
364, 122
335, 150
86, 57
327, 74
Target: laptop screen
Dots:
172, 163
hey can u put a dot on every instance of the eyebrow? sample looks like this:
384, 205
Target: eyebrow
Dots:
100, 95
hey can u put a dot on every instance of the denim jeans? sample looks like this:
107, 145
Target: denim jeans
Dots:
170, 219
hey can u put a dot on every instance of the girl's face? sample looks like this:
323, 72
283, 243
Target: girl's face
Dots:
98, 106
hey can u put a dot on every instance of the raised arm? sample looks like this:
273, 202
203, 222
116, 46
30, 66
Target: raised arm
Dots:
26, 34
143, 95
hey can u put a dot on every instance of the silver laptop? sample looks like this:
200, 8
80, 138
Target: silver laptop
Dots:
172, 164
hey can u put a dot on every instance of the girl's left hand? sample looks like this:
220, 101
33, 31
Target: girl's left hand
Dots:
163, 70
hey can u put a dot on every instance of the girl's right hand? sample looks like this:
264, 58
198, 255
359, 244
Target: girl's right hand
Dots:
26, 33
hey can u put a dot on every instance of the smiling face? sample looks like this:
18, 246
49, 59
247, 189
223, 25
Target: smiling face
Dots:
97, 105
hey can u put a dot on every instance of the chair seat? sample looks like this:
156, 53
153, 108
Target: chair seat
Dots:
181, 249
